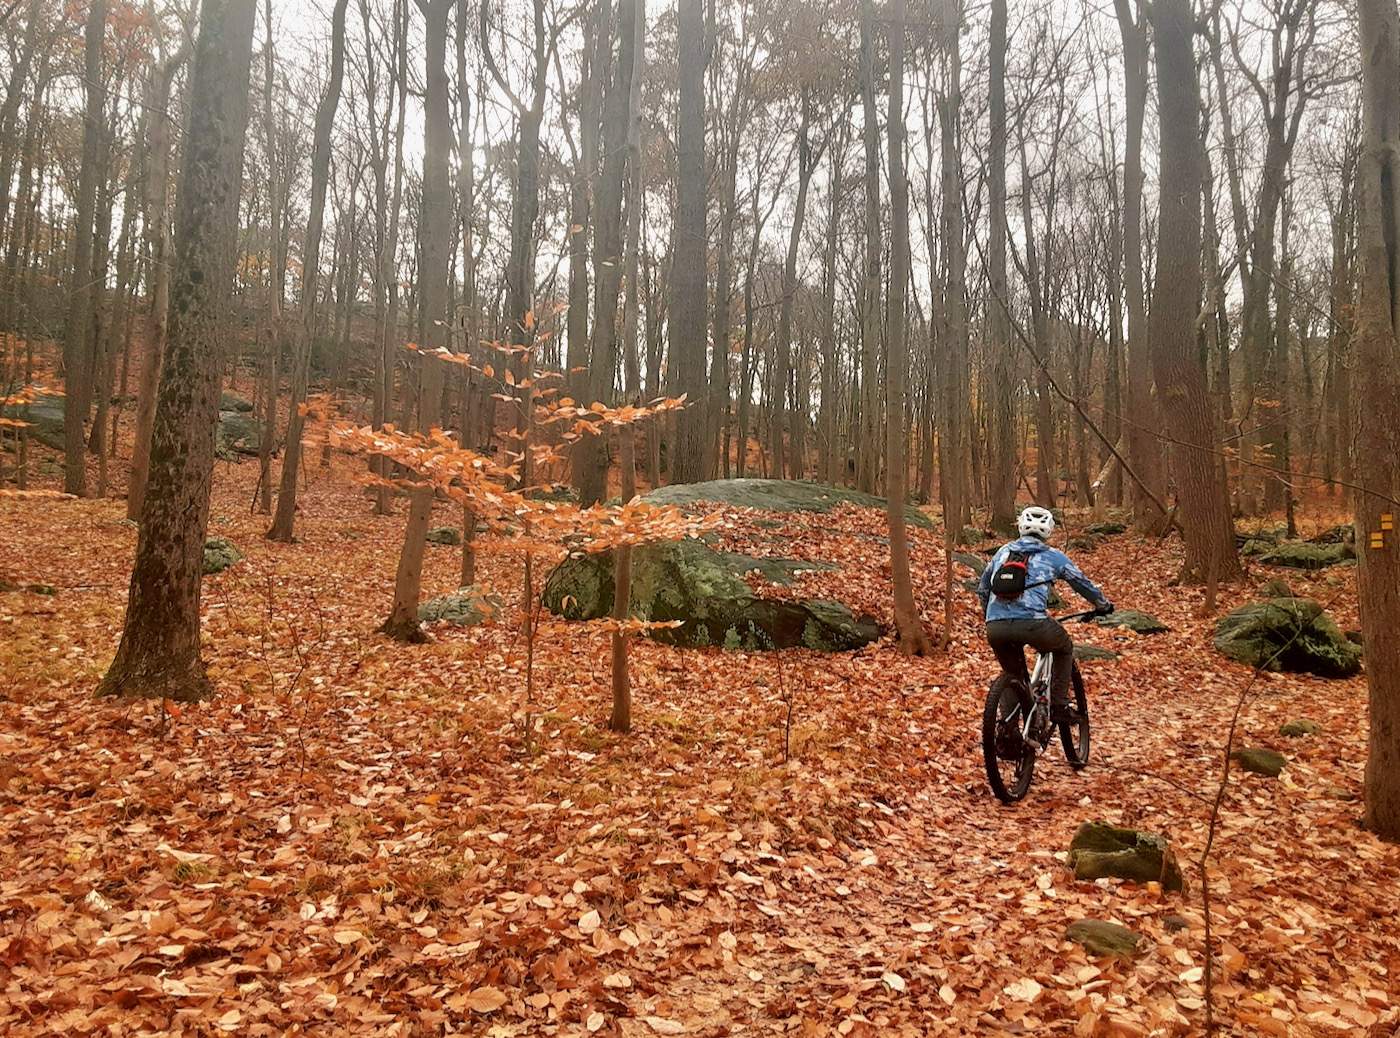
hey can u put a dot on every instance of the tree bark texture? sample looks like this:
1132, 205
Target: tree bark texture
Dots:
1378, 437
159, 653
1180, 375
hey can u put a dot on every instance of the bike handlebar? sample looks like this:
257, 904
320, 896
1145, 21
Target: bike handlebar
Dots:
1084, 618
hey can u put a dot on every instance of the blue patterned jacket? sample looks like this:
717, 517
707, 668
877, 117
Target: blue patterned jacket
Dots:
1043, 568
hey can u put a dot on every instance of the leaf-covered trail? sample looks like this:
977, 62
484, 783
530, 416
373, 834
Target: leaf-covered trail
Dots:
361, 837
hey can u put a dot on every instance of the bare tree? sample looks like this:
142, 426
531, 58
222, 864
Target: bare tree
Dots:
1378, 438
1180, 375
159, 655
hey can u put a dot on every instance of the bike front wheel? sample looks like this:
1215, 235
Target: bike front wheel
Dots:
1010, 760
1075, 737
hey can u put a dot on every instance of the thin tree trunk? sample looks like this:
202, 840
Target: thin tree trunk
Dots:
284, 521
1002, 462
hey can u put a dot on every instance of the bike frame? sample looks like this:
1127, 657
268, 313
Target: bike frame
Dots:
1040, 679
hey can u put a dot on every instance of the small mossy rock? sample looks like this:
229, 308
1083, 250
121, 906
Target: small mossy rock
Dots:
1261, 760
1105, 940
1100, 850
6, 587
1175, 923
1092, 653
775, 495
1341, 793
1299, 728
1083, 541
465, 608
1133, 620
444, 535
972, 535
1275, 587
45, 417
47, 590
1301, 555
705, 590
1344, 534
1292, 634
219, 554
231, 401
1106, 529
1255, 547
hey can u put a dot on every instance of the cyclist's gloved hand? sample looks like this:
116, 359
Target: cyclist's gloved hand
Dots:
1104, 608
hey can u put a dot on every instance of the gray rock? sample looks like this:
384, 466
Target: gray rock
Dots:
465, 608
444, 535
1261, 760
705, 589
219, 554
231, 401
1134, 620
1299, 728
1107, 529
1090, 653
1255, 547
1101, 850
239, 434
45, 415
1296, 555
1083, 541
974, 562
1292, 634
1105, 940
775, 495
1344, 534
1175, 923
1275, 587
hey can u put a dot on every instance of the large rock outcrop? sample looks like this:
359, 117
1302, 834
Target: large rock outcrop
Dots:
1291, 634
705, 590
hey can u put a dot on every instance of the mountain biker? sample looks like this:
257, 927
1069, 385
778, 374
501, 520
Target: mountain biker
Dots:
1017, 620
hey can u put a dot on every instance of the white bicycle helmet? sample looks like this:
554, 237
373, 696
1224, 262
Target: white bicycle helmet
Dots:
1036, 522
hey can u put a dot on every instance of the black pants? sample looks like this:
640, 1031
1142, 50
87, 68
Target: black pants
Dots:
1008, 639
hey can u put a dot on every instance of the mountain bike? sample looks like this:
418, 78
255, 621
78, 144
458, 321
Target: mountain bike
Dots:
1016, 725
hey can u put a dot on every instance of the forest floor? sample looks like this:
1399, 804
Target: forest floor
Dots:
361, 837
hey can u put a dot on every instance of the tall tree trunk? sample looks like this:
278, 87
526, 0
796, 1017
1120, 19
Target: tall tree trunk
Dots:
1180, 374
277, 278
867, 450
159, 653
157, 229
1003, 466
435, 229
913, 639
1377, 345
284, 520
689, 273
78, 344
782, 418
1144, 454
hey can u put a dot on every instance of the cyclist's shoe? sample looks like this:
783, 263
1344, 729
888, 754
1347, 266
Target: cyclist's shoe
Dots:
1064, 713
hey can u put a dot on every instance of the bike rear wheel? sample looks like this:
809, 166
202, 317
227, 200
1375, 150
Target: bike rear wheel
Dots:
1009, 759
1075, 737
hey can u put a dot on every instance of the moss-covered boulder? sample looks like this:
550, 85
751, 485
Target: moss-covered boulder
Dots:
1105, 940
705, 590
1268, 535
231, 401
1298, 728
239, 435
1301, 555
1344, 534
219, 554
1133, 620
465, 608
45, 417
1255, 547
1292, 634
1106, 529
1275, 587
1092, 653
1261, 760
444, 535
1100, 850
775, 495
1083, 541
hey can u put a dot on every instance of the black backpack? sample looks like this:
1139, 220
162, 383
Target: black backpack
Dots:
1009, 581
